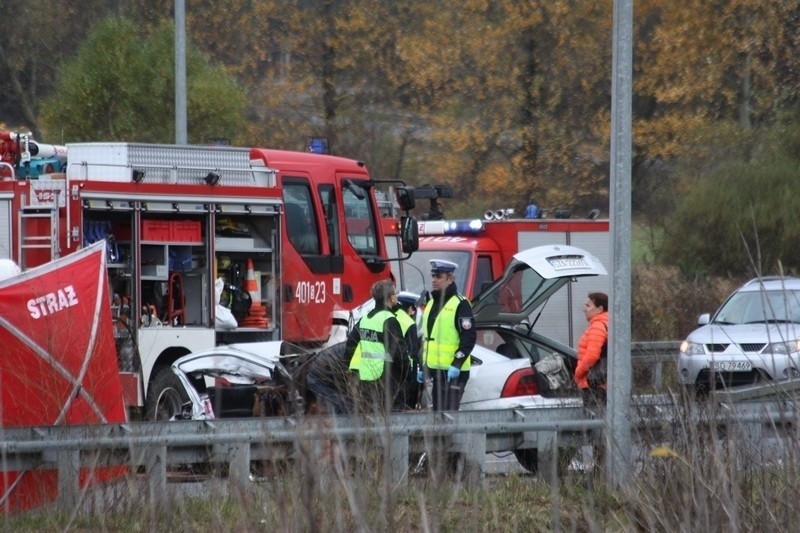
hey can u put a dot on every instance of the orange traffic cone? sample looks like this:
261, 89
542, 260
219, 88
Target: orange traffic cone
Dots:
250, 284
257, 316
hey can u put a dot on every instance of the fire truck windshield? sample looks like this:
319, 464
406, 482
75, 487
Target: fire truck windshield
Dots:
360, 222
417, 269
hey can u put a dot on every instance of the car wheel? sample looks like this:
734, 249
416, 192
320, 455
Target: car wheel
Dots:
529, 460
166, 396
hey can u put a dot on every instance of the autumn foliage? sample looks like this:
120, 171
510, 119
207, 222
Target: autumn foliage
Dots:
503, 100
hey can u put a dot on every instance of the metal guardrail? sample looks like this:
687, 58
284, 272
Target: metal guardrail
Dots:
238, 442
784, 391
157, 445
655, 354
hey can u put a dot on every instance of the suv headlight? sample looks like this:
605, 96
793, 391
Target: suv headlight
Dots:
784, 347
692, 348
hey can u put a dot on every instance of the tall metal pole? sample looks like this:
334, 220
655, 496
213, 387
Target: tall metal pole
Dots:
618, 435
180, 72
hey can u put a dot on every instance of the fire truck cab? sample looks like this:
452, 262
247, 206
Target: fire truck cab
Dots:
484, 248
297, 234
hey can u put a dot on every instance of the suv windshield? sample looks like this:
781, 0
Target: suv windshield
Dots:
752, 307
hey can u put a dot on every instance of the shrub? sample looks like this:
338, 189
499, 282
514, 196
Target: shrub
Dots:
734, 215
665, 305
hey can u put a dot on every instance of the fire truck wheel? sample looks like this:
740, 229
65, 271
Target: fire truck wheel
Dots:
166, 396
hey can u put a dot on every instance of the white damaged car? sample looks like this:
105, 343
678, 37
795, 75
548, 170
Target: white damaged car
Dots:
234, 381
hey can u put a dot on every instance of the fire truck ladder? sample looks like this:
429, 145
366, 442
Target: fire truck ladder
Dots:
34, 223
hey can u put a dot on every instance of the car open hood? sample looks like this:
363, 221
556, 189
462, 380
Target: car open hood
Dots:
531, 277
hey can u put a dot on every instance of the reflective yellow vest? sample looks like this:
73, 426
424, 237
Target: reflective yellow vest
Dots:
355, 362
370, 354
405, 320
441, 345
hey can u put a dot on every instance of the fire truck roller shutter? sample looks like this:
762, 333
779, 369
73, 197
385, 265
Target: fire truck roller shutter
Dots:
301, 235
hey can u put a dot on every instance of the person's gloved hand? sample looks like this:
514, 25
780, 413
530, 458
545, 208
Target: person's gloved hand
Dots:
420, 376
452, 373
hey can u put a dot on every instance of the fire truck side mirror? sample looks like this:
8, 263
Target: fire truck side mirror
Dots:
409, 234
405, 198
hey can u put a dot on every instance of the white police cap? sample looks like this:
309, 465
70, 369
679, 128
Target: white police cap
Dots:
408, 298
442, 266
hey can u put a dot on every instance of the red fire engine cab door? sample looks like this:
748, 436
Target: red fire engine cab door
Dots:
306, 267
332, 252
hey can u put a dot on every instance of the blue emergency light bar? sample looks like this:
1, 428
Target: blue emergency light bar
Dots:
318, 145
451, 227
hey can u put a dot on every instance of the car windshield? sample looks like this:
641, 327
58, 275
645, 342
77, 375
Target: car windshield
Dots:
417, 269
753, 307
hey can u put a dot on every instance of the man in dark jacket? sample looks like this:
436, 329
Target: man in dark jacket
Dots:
436, 211
406, 313
326, 379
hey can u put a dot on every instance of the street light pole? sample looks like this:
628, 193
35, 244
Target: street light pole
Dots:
180, 72
618, 433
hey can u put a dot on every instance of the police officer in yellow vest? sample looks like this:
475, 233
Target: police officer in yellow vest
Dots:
448, 337
377, 351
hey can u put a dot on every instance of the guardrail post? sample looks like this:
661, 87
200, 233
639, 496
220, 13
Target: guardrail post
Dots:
752, 445
473, 448
239, 469
399, 457
748, 435
658, 376
547, 456
155, 468
69, 464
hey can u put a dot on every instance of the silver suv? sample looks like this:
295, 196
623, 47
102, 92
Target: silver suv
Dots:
754, 335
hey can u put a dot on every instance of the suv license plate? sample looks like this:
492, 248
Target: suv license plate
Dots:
730, 366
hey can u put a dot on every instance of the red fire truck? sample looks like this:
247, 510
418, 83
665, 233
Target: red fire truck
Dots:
483, 248
177, 218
